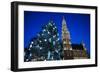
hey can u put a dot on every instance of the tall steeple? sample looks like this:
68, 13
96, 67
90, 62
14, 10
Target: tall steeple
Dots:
65, 36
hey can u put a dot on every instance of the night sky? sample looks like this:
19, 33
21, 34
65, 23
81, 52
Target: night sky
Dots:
78, 26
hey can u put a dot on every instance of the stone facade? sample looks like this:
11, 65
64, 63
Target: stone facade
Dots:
71, 51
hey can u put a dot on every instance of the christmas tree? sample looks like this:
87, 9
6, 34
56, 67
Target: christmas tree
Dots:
46, 45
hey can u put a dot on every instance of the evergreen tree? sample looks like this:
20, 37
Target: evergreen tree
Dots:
46, 46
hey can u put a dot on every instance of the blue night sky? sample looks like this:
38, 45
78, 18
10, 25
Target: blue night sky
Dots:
78, 25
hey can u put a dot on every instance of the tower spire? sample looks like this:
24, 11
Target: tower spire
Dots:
65, 35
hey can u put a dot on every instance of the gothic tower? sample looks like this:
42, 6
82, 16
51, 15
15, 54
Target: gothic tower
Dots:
66, 41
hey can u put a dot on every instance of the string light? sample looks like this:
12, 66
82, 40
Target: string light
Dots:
27, 60
49, 39
40, 41
48, 32
56, 51
30, 45
42, 34
45, 40
58, 39
44, 30
54, 36
53, 42
32, 42
50, 24
30, 54
40, 48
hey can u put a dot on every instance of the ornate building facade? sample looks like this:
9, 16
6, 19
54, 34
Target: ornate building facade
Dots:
71, 51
